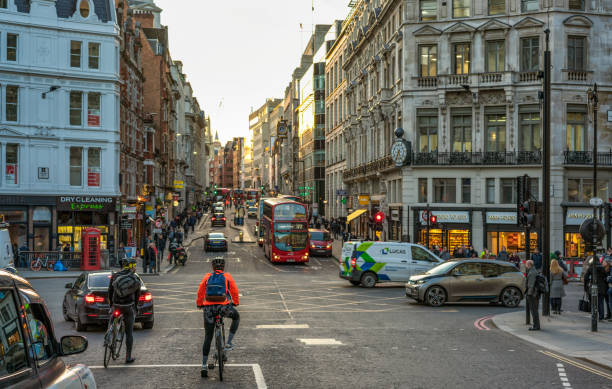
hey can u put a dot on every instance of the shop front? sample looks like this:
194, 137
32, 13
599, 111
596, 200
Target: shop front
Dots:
30, 220
574, 246
395, 223
501, 230
452, 230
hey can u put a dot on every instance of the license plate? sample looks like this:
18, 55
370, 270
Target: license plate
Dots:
290, 260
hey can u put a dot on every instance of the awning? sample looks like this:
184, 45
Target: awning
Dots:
355, 214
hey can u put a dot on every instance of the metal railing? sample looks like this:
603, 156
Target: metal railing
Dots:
70, 259
505, 158
586, 158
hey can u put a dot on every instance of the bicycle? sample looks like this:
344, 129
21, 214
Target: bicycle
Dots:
219, 355
113, 339
37, 263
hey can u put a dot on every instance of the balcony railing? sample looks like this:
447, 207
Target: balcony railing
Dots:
427, 82
503, 158
586, 158
528, 77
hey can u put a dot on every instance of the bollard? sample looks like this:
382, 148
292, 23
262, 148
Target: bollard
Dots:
241, 236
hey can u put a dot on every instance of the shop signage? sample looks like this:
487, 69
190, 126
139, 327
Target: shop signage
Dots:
43, 173
11, 173
501, 217
178, 184
93, 176
341, 192
149, 210
364, 199
86, 203
129, 209
450, 216
575, 216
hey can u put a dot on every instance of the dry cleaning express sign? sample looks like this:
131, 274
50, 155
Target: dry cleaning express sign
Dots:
86, 203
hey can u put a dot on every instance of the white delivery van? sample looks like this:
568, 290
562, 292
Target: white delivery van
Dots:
6, 248
372, 262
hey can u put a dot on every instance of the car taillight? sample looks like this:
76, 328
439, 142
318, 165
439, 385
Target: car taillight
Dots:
92, 298
214, 218
223, 218
353, 262
145, 297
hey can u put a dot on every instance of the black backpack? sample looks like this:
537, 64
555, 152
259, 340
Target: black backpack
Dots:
541, 284
125, 285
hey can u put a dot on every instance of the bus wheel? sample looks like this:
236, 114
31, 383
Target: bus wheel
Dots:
368, 279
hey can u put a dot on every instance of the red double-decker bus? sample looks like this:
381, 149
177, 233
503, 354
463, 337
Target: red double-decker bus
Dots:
285, 230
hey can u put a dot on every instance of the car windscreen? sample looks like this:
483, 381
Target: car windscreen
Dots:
99, 280
216, 236
441, 269
252, 209
320, 236
219, 215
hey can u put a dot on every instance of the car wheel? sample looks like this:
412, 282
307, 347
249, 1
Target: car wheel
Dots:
355, 283
511, 297
147, 325
79, 326
65, 312
435, 296
368, 279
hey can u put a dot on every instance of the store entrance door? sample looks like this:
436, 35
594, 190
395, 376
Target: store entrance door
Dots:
42, 241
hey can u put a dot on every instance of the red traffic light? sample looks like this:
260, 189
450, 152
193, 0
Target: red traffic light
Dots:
433, 219
378, 217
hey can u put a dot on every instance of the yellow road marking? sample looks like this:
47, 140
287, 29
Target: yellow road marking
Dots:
577, 364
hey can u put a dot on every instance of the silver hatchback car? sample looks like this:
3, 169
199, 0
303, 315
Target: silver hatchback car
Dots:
468, 280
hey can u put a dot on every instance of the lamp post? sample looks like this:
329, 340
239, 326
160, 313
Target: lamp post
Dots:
546, 176
592, 94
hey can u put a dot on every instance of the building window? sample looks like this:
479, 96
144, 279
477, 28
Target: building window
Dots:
580, 190
576, 53
529, 5
575, 130
11, 47
75, 54
429, 10
94, 55
461, 8
466, 190
422, 190
428, 60
530, 54
496, 54
76, 108
576, 5
444, 190
399, 64
490, 191
12, 163
497, 7
530, 138
93, 109
93, 167
427, 121
12, 103
508, 190
461, 137
3, 3
461, 58
534, 188
495, 118
76, 166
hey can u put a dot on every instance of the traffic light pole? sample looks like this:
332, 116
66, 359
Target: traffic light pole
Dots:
527, 253
428, 228
594, 291
546, 176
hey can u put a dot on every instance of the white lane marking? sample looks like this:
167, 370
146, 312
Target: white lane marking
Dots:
563, 376
281, 326
283, 300
259, 378
320, 341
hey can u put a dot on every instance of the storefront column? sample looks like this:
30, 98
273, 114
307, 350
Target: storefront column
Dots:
54, 241
30, 228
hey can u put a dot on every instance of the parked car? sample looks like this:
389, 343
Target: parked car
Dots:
468, 280
86, 301
218, 219
252, 212
373, 262
27, 325
215, 241
6, 249
320, 242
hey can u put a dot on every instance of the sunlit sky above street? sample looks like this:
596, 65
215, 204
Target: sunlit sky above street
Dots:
238, 53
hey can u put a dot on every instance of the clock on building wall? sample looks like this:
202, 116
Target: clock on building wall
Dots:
400, 152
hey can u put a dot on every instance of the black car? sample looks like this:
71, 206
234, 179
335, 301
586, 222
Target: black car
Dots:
86, 301
217, 219
215, 241
30, 353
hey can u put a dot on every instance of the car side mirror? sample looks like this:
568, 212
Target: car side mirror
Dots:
73, 344
69, 286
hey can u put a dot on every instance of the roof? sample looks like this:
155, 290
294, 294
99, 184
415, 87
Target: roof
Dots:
66, 8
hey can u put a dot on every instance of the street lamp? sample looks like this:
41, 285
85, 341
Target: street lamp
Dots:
593, 98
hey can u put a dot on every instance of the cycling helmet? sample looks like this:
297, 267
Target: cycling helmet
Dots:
218, 263
128, 263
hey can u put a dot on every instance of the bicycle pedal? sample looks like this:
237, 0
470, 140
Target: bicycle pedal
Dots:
211, 366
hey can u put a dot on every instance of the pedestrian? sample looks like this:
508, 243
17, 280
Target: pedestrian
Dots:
559, 258
152, 251
602, 284
161, 246
516, 260
444, 254
533, 295
471, 253
557, 291
536, 257
458, 252
503, 255
607, 267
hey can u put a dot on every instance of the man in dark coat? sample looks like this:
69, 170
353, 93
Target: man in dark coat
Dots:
533, 296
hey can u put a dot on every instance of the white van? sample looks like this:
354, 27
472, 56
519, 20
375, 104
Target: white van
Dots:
367, 263
6, 248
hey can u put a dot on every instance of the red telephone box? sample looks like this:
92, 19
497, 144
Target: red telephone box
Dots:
90, 249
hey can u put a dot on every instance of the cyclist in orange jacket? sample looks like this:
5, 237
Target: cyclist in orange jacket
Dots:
217, 293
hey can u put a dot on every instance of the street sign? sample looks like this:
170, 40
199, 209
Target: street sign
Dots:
341, 192
596, 202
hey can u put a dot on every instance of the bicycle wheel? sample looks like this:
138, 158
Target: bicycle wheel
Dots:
35, 265
50, 265
119, 339
108, 346
220, 351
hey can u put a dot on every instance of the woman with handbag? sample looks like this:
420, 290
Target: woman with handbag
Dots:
557, 279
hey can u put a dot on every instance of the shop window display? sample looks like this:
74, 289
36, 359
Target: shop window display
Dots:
513, 241
574, 245
445, 238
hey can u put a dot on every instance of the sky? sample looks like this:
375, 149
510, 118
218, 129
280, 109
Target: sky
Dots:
238, 53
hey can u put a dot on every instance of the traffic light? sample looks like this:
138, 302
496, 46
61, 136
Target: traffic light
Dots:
433, 220
527, 213
379, 217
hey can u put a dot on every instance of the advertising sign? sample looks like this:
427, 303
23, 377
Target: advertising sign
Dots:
450, 216
364, 199
86, 203
501, 217
93, 117
93, 176
11, 173
575, 216
178, 184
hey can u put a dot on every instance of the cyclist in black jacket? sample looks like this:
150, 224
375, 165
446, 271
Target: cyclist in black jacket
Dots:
127, 306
